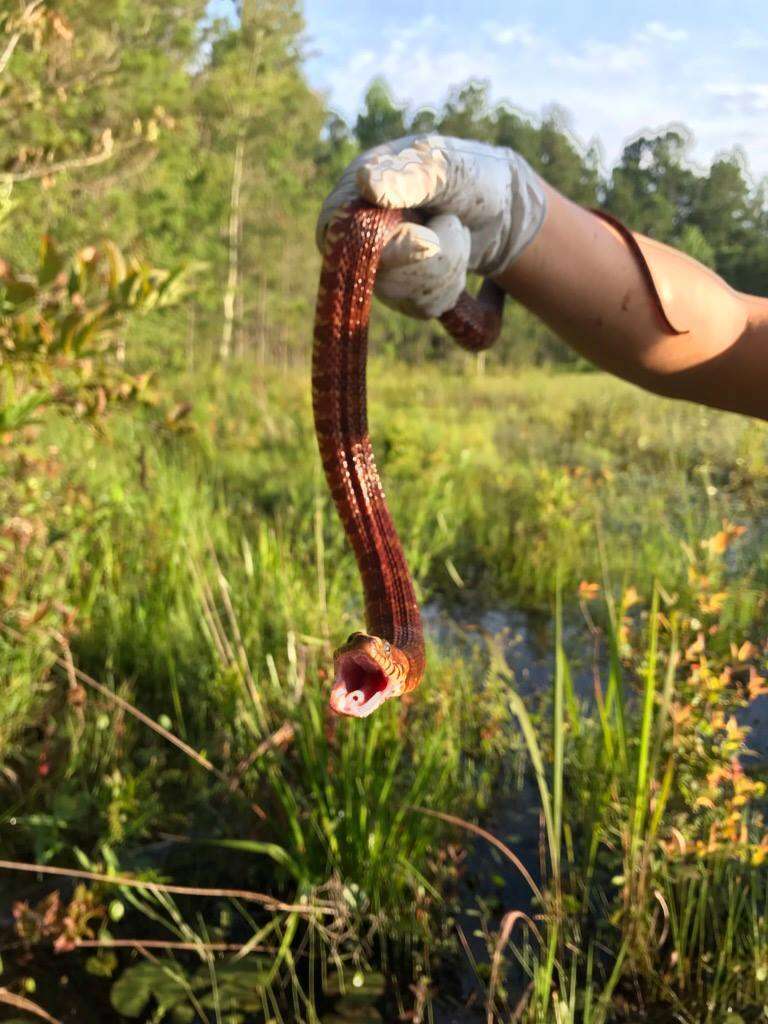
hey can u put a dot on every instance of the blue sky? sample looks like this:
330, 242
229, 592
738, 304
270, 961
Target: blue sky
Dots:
616, 67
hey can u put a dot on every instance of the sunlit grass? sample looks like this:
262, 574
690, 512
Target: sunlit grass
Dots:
199, 570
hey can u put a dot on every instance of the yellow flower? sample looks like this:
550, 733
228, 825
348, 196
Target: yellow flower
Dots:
713, 603
747, 651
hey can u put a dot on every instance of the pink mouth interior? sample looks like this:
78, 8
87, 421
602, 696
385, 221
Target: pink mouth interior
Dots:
358, 680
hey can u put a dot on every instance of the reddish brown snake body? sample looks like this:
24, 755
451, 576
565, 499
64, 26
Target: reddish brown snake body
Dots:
387, 660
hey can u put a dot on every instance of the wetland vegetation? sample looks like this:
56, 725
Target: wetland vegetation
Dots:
565, 822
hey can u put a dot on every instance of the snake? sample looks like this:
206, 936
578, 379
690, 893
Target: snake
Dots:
386, 660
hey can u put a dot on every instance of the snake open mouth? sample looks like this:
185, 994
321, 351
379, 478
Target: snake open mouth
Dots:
360, 687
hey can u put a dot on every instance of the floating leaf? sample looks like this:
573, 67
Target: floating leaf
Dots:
137, 985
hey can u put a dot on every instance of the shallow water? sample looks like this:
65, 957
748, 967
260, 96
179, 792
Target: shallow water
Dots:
528, 642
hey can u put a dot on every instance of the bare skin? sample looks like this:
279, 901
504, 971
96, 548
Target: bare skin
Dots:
579, 276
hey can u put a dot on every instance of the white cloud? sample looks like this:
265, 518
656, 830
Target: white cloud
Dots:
407, 34
613, 88
747, 40
739, 98
508, 35
658, 31
595, 57
621, 58
363, 60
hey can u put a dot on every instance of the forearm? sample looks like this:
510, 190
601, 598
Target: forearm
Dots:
580, 277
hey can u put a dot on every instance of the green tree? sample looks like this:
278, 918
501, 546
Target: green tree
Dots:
89, 96
516, 131
467, 113
380, 119
717, 218
424, 120
693, 241
732, 218
560, 161
258, 183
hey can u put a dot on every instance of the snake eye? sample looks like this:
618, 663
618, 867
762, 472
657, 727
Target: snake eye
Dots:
387, 647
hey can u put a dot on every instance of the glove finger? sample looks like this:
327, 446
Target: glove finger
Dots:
410, 243
416, 175
346, 189
430, 286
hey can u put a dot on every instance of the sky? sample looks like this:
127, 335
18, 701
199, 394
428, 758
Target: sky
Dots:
617, 67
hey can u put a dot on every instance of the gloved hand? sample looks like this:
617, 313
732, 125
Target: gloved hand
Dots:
483, 204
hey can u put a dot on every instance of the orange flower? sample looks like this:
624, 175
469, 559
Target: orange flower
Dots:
734, 731
718, 543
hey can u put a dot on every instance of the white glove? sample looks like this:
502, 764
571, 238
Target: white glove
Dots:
484, 205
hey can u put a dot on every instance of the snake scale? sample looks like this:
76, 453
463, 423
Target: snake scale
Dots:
388, 659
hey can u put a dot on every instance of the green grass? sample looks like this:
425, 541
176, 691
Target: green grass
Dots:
669, 886
198, 569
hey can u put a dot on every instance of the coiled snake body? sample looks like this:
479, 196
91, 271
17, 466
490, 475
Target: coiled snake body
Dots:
387, 660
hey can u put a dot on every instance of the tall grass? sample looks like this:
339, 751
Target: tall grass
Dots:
682, 927
198, 570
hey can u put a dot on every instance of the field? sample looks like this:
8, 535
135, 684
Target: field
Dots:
188, 560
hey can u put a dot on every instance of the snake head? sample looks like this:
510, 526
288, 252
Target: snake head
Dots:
369, 671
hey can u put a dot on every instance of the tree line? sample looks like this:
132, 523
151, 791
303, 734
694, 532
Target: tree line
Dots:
193, 141
719, 217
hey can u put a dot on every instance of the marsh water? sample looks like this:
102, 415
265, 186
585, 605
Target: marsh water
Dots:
489, 879
528, 642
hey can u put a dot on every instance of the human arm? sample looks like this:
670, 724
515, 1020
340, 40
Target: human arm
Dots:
645, 312
582, 279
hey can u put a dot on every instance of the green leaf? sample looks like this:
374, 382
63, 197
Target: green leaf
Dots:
18, 293
277, 853
21, 413
131, 992
183, 1014
51, 261
117, 265
239, 983
127, 293
135, 986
